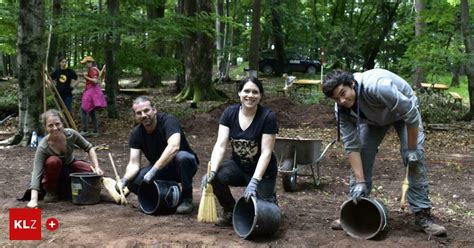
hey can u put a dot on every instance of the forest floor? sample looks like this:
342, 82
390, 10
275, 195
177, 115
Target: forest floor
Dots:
306, 213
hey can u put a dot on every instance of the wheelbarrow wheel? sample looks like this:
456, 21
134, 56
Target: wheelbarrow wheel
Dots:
288, 175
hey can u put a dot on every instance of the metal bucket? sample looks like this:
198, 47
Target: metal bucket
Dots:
255, 218
159, 197
365, 219
85, 188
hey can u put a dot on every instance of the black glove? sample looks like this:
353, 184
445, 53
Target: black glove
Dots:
359, 190
207, 179
251, 189
121, 184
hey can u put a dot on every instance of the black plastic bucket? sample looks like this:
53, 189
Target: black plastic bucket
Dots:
365, 219
85, 188
159, 197
255, 218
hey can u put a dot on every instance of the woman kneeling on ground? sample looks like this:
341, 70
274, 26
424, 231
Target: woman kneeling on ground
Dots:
54, 160
251, 130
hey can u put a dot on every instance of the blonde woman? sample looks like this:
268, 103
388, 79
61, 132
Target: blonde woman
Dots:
54, 160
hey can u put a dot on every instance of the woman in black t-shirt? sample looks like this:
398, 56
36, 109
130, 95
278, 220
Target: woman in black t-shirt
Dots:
250, 129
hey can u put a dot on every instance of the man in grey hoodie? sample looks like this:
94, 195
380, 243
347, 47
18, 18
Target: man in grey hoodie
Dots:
367, 105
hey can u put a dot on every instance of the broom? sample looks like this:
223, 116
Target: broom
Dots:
122, 195
207, 207
404, 189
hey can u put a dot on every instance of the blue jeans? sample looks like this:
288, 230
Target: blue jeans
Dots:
230, 174
182, 170
371, 136
85, 120
68, 102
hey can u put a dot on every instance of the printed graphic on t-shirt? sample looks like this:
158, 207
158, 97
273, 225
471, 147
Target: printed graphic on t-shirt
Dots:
246, 150
62, 78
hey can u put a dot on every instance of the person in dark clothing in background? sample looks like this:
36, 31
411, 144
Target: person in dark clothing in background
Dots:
62, 78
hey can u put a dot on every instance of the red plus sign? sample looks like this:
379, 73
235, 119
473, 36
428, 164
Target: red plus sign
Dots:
52, 224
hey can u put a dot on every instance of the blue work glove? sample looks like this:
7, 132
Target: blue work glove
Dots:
150, 174
359, 190
207, 179
251, 189
121, 184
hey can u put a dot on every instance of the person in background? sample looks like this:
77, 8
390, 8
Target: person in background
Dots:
92, 99
62, 78
251, 130
161, 139
367, 105
54, 160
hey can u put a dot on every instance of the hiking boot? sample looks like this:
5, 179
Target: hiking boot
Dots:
84, 134
185, 207
50, 197
336, 224
94, 134
225, 219
424, 222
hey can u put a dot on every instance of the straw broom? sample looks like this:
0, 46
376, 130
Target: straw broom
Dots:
404, 189
207, 207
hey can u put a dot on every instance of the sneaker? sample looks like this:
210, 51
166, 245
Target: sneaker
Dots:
94, 134
336, 225
50, 197
225, 219
185, 207
84, 133
424, 222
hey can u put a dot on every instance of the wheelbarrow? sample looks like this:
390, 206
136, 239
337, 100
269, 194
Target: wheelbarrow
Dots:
294, 152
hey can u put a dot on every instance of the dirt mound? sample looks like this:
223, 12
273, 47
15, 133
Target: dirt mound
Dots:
290, 114
293, 115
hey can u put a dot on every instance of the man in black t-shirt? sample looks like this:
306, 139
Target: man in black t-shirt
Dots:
162, 141
62, 78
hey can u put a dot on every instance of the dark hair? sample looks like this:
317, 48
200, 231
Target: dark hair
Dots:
336, 78
253, 80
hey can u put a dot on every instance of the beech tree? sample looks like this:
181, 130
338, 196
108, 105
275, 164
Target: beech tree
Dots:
30, 56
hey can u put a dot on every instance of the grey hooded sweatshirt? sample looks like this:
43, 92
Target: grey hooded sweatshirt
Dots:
382, 99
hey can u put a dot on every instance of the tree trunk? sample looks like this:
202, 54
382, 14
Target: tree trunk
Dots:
3, 67
419, 76
278, 38
229, 38
389, 13
254, 49
198, 61
455, 71
30, 50
220, 39
150, 78
469, 66
113, 42
54, 42
179, 53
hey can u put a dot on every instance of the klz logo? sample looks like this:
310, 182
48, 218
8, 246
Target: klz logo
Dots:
25, 224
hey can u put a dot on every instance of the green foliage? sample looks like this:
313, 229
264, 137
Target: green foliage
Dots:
8, 100
312, 98
437, 108
439, 47
8, 27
